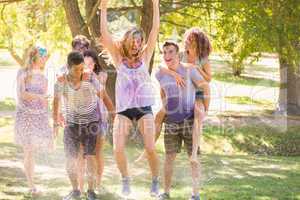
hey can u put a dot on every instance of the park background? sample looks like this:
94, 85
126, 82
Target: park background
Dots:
251, 143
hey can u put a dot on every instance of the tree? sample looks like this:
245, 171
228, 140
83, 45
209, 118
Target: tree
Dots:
23, 24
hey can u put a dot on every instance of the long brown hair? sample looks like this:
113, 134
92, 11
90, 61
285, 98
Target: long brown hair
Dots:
204, 47
127, 39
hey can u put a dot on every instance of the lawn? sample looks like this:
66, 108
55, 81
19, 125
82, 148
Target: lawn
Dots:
241, 173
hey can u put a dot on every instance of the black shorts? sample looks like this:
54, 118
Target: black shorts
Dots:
136, 113
200, 94
85, 134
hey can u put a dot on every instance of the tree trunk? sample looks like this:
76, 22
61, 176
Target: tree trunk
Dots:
91, 29
289, 94
75, 19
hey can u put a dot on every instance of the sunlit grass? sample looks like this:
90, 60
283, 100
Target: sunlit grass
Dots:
8, 104
244, 80
246, 100
239, 176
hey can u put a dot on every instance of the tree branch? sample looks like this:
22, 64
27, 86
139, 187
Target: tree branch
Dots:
174, 23
10, 1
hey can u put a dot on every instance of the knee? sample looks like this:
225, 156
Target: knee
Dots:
150, 149
71, 166
118, 149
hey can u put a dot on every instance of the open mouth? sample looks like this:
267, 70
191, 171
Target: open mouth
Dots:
168, 60
187, 52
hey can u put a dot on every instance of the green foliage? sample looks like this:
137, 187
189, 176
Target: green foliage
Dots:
8, 104
33, 22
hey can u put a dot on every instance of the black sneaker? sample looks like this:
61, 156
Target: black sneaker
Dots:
91, 195
73, 195
164, 196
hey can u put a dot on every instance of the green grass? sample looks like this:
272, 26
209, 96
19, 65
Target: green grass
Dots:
245, 100
242, 175
8, 104
244, 80
6, 121
257, 139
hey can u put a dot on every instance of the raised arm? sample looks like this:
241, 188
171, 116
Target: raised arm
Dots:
150, 46
106, 37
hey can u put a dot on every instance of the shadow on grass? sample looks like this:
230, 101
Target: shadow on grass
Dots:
256, 139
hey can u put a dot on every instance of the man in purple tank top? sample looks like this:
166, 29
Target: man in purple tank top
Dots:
178, 103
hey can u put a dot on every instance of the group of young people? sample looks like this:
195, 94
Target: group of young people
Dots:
82, 107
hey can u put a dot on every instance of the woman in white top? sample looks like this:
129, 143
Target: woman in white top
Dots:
134, 92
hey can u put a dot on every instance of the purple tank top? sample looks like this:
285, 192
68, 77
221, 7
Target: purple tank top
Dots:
134, 88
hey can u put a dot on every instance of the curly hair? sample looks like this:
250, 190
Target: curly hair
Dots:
81, 41
204, 47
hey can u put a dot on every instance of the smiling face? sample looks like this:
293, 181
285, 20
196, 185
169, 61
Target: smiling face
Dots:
132, 43
171, 56
89, 62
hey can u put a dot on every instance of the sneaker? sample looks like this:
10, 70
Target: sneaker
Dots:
154, 190
91, 195
195, 197
164, 196
126, 186
75, 194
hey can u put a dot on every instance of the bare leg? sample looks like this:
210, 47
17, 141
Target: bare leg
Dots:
199, 115
99, 159
91, 166
72, 170
29, 165
147, 129
168, 171
120, 132
159, 118
195, 177
81, 169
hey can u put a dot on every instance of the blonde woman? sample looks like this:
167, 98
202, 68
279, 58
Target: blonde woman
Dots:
134, 94
32, 130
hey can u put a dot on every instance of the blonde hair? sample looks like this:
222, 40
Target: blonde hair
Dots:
33, 53
127, 40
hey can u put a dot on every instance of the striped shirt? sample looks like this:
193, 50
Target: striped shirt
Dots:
80, 105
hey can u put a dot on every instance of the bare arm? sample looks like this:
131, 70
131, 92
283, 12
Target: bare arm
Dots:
56, 104
106, 37
205, 72
179, 79
150, 46
107, 102
22, 93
